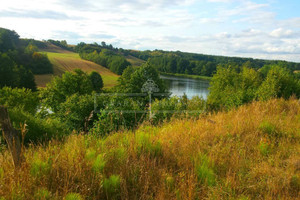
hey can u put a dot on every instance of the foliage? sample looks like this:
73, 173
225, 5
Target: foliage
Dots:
42, 194
60, 88
76, 110
96, 80
231, 88
12, 75
73, 196
38, 129
105, 57
23, 99
112, 186
200, 64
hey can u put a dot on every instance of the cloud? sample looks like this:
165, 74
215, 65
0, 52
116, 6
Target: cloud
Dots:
47, 14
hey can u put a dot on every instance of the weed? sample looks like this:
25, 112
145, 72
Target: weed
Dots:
99, 164
112, 186
73, 196
42, 194
39, 167
264, 148
204, 173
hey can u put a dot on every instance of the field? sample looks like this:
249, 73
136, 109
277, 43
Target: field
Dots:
252, 152
136, 62
63, 60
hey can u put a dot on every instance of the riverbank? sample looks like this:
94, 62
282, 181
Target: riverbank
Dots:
206, 78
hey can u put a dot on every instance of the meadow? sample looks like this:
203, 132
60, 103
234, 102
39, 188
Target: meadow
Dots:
251, 152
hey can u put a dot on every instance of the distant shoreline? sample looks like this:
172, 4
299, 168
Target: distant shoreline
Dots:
206, 78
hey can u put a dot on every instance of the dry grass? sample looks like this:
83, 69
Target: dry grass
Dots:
136, 62
249, 153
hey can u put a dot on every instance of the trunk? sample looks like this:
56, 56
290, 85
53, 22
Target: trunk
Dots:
11, 136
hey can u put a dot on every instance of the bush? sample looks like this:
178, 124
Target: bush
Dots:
73, 196
99, 164
40, 168
112, 186
203, 171
146, 146
38, 130
23, 99
42, 194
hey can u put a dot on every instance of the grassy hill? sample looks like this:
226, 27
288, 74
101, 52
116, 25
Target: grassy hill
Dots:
64, 60
248, 153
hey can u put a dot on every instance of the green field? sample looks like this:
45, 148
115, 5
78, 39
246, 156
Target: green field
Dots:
63, 61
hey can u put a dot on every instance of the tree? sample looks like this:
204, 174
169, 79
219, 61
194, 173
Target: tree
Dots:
96, 80
57, 91
7, 71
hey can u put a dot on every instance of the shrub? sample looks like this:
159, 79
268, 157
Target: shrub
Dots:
269, 129
204, 172
73, 196
264, 148
40, 168
42, 194
112, 186
99, 164
38, 129
146, 146
23, 99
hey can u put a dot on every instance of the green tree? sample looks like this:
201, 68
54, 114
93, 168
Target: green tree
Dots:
96, 80
57, 91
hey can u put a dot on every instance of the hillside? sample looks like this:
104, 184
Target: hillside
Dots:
64, 60
248, 153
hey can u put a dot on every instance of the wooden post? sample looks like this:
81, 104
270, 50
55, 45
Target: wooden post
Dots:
11, 136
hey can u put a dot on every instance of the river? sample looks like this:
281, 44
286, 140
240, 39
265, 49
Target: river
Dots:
191, 87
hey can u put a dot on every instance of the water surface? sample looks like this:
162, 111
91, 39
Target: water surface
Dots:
191, 87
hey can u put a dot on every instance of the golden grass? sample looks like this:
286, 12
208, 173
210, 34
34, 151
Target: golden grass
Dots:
64, 60
136, 62
249, 153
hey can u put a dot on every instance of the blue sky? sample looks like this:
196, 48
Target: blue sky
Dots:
268, 29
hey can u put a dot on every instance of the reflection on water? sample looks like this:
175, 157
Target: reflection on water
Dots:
191, 87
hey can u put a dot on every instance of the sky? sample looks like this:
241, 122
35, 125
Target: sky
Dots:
268, 29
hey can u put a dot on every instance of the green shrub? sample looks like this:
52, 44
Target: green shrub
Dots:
204, 172
264, 148
99, 164
73, 196
42, 194
295, 183
112, 186
269, 129
23, 99
90, 154
146, 146
38, 129
1, 173
39, 168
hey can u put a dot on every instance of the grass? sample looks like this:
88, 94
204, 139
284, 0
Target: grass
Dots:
136, 62
207, 78
63, 61
239, 156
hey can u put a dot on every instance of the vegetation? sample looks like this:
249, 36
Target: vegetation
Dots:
232, 87
134, 141
228, 155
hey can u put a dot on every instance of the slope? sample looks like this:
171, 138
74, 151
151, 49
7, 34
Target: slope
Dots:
64, 60
248, 153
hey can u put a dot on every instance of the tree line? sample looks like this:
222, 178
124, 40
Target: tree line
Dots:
20, 59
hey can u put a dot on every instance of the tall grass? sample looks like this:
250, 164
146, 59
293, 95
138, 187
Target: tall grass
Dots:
248, 153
